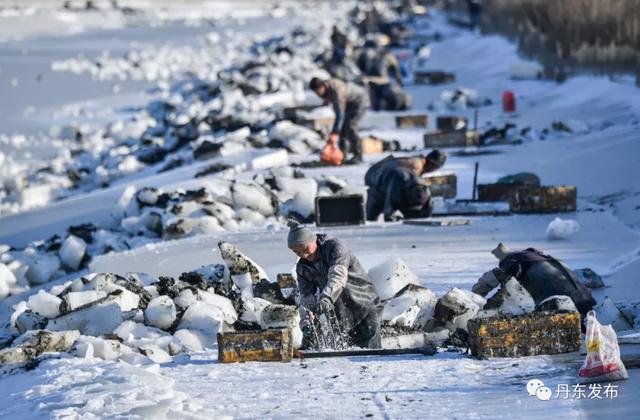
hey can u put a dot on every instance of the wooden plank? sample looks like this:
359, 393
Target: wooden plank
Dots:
445, 185
412, 121
272, 345
427, 351
439, 139
431, 222
543, 199
340, 210
321, 125
525, 335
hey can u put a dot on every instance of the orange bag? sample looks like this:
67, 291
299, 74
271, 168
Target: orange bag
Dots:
332, 155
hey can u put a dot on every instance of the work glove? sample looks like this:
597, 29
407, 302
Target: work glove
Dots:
325, 305
396, 216
485, 284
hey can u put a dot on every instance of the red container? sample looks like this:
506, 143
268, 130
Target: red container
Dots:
508, 101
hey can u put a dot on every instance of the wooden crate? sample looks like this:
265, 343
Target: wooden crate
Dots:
272, 345
340, 210
543, 199
442, 185
451, 123
525, 335
433, 77
436, 139
495, 192
286, 281
372, 145
412, 121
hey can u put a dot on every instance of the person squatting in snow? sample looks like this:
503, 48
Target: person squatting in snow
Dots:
540, 274
395, 186
331, 278
350, 102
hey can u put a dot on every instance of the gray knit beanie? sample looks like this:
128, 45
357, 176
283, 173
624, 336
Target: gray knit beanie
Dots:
298, 234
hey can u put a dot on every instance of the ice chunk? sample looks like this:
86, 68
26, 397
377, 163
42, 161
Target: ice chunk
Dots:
222, 303
203, 317
413, 306
33, 343
42, 268
516, 299
72, 252
185, 299
239, 263
561, 229
390, 277
94, 320
279, 316
254, 197
102, 348
456, 307
156, 354
252, 309
160, 313
557, 303
75, 300
189, 339
524, 70
608, 314
45, 304
29, 320
7, 277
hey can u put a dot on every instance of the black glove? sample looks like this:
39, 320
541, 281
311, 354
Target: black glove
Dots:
325, 305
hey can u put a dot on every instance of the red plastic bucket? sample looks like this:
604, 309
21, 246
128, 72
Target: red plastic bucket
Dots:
508, 101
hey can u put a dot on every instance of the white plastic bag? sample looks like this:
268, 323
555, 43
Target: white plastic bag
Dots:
603, 362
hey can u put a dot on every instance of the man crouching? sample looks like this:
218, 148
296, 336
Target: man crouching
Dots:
331, 278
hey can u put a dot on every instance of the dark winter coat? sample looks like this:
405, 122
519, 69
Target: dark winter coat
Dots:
340, 276
544, 276
393, 186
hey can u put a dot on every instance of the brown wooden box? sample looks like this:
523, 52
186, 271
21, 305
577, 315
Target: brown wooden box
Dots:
412, 121
495, 192
451, 139
372, 145
340, 210
443, 185
543, 199
451, 123
525, 335
433, 77
272, 345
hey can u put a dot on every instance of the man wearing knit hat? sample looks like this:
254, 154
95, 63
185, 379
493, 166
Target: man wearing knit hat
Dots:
540, 274
330, 278
395, 185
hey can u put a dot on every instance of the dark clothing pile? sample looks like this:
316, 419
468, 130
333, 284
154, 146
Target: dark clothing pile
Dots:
339, 275
394, 186
543, 276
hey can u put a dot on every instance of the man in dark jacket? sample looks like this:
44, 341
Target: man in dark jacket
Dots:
331, 278
394, 185
540, 274
350, 102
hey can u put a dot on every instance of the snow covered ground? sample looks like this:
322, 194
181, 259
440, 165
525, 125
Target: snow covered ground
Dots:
600, 157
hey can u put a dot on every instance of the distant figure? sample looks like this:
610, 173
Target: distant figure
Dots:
381, 70
331, 278
350, 102
540, 274
396, 189
475, 12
